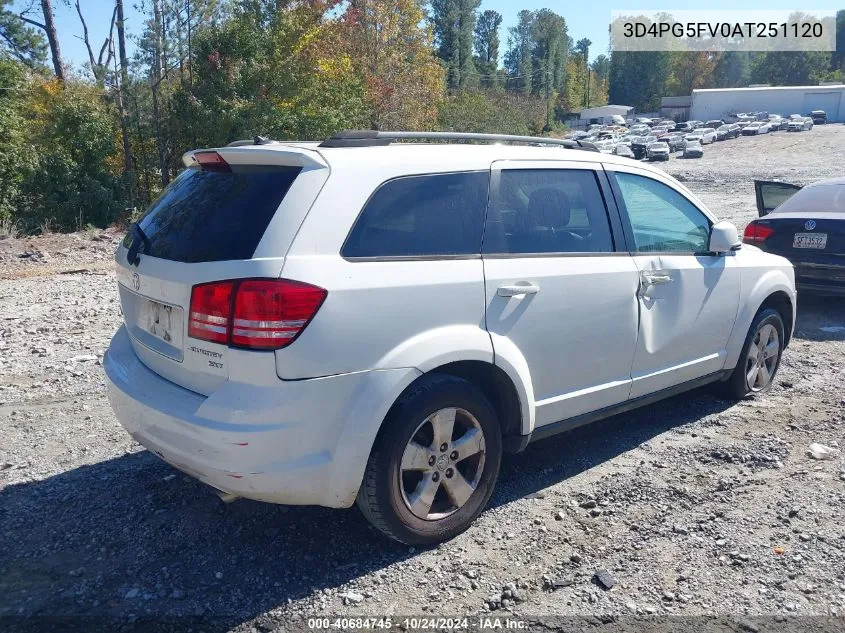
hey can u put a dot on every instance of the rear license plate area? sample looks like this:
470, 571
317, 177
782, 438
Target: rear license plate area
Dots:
809, 240
162, 321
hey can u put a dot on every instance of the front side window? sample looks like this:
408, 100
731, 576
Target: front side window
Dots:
422, 216
662, 220
548, 211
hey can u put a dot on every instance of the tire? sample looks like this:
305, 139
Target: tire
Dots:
393, 498
737, 386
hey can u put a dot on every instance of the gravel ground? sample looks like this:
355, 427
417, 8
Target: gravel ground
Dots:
695, 506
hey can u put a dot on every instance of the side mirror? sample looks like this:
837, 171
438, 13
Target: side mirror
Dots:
724, 238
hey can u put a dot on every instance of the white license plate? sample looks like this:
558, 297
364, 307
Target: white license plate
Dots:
162, 321
809, 240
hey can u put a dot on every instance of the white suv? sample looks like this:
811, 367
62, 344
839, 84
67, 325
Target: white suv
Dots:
318, 323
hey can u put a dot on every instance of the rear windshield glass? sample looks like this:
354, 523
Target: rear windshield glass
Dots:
211, 216
816, 199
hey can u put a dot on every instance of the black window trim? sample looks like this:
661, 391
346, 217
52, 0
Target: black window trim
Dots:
415, 258
628, 229
617, 236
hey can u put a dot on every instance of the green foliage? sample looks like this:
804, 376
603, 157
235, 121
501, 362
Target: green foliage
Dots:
638, 78
454, 22
790, 68
487, 47
19, 40
72, 178
13, 151
493, 113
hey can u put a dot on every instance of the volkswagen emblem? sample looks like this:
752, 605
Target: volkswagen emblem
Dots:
136, 281
810, 225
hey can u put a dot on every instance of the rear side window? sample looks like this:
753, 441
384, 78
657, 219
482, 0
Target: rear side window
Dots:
548, 211
419, 216
211, 216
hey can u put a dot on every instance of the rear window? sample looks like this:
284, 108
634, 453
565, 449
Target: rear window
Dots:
419, 216
815, 199
211, 216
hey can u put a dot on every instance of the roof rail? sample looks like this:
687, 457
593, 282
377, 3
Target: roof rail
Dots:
370, 138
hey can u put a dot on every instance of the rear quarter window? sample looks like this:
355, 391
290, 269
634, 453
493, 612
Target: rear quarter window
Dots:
210, 216
422, 216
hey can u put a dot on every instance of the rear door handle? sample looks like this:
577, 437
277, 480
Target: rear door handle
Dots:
518, 290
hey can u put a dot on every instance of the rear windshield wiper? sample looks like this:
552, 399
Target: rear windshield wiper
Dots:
139, 238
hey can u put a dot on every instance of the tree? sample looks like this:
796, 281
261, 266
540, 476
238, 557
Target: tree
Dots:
837, 59
790, 68
18, 39
638, 78
690, 70
48, 26
99, 65
583, 50
487, 46
732, 69
519, 63
454, 22
395, 55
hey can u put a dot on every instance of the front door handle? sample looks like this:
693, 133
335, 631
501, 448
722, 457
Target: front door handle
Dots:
647, 280
653, 279
518, 290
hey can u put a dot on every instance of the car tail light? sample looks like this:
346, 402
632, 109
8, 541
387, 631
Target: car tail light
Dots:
756, 233
211, 161
211, 306
253, 313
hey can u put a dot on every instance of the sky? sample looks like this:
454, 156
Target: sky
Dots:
588, 19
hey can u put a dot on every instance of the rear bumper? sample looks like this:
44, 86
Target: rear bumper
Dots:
819, 278
303, 442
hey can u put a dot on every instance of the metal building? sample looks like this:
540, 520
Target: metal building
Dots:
719, 103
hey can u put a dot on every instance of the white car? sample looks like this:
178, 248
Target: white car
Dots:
361, 320
755, 128
701, 135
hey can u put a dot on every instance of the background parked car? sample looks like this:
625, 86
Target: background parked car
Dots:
807, 226
702, 135
675, 141
714, 123
819, 117
724, 132
755, 128
640, 144
623, 149
658, 151
693, 150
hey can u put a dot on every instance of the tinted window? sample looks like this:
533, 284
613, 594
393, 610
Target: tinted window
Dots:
663, 221
439, 214
548, 211
209, 216
815, 199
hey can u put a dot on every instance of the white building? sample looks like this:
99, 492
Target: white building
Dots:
785, 100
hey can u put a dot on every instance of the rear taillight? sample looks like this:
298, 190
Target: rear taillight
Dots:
756, 233
211, 305
253, 313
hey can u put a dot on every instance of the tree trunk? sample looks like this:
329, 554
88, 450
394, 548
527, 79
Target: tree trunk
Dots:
128, 167
156, 79
53, 38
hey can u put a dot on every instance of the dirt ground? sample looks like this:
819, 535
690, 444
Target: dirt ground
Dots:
695, 506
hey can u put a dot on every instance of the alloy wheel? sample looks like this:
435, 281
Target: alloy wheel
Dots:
442, 464
762, 358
